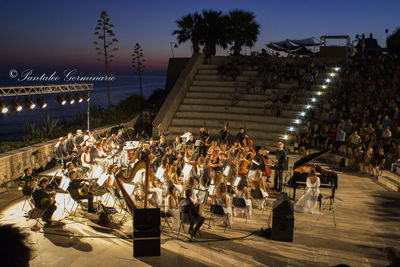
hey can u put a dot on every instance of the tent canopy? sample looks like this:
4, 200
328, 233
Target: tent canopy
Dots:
291, 46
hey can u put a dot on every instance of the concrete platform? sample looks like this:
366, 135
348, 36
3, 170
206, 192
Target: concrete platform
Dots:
367, 216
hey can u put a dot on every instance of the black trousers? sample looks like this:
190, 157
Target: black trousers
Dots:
198, 221
278, 179
49, 211
89, 197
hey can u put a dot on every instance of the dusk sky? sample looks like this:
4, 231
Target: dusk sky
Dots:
59, 34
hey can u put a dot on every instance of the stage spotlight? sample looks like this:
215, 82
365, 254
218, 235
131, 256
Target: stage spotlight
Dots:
297, 121
308, 106
40, 102
318, 93
302, 114
336, 69
291, 129
324, 86
3, 106
29, 103
78, 98
328, 80
61, 100
313, 99
332, 74
86, 97
70, 99
17, 106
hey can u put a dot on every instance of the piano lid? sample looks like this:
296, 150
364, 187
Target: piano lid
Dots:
309, 158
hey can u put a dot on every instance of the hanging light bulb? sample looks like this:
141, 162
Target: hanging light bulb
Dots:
29, 103
86, 97
78, 98
70, 99
3, 106
40, 102
17, 106
61, 100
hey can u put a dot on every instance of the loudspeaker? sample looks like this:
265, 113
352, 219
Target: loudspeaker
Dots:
146, 232
282, 206
282, 219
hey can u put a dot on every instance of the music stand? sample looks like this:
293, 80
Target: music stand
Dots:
186, 170
160, 174
331, 201
211, 189
237, 181
201, 194
226, 171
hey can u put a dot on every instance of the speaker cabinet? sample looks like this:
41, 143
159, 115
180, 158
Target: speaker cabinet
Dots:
146, 232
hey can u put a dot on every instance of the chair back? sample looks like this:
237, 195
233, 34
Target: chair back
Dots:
217, 210
256, 194
238, 202
186, 218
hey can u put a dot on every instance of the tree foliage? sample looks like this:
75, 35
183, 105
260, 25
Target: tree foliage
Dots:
393, 42
212, 28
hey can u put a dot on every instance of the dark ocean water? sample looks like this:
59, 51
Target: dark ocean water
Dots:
12, 124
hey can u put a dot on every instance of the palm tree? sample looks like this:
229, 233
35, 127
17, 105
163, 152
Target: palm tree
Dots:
189, 29
213, 30
242, 30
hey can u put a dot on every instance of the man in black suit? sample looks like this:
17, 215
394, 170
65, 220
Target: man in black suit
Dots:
224, 135
188, 207
203, 135
43, 200
280, 165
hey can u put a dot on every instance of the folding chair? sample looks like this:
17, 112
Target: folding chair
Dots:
217, 211
258, 197
35, 214
185, 218
240, 203
28, 199
166, 216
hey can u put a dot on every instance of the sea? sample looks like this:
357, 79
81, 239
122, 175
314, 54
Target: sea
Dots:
13, 124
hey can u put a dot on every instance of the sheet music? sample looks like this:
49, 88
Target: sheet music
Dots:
160, 174
211, 189
251, 174
237, 181
102, 179
64, 184
129, 188
226, 171
186, 170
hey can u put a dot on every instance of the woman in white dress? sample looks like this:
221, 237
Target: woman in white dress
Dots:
223, 199
242, 191
308, 201
172, 205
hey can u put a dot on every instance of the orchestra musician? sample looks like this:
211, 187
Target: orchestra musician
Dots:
73, 190
162, 146
241, 137
86, 159
44, 200
224, 135
70, 145
113, 142
203, 135
78, 139
192, 211
26, 182
280, 165
120, 138
59, 149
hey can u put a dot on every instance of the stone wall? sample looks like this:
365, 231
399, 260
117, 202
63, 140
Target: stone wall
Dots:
175, 97
37, 156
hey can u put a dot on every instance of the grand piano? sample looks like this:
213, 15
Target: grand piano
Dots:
302, 167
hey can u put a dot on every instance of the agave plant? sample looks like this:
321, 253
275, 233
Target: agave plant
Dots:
49, 125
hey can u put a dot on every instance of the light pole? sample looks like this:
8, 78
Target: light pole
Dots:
172, 48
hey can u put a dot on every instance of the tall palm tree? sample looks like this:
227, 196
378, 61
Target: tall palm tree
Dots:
213, 30
189, 29
242, 29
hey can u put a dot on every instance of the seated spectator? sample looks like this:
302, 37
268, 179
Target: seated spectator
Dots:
379, 162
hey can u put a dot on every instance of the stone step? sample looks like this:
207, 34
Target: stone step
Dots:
237, 109
392, 175
216, 77
258, 136
249, 97
215, 72
227, 116
228, 103
220, 83
389, 183
235, 124
223, 89
215, 67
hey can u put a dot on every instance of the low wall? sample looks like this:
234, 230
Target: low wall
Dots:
37, 156
175, 97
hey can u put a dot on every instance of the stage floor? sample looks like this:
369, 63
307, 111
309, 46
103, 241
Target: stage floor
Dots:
367, 217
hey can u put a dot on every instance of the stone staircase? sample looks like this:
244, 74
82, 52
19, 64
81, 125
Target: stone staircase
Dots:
209, 100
